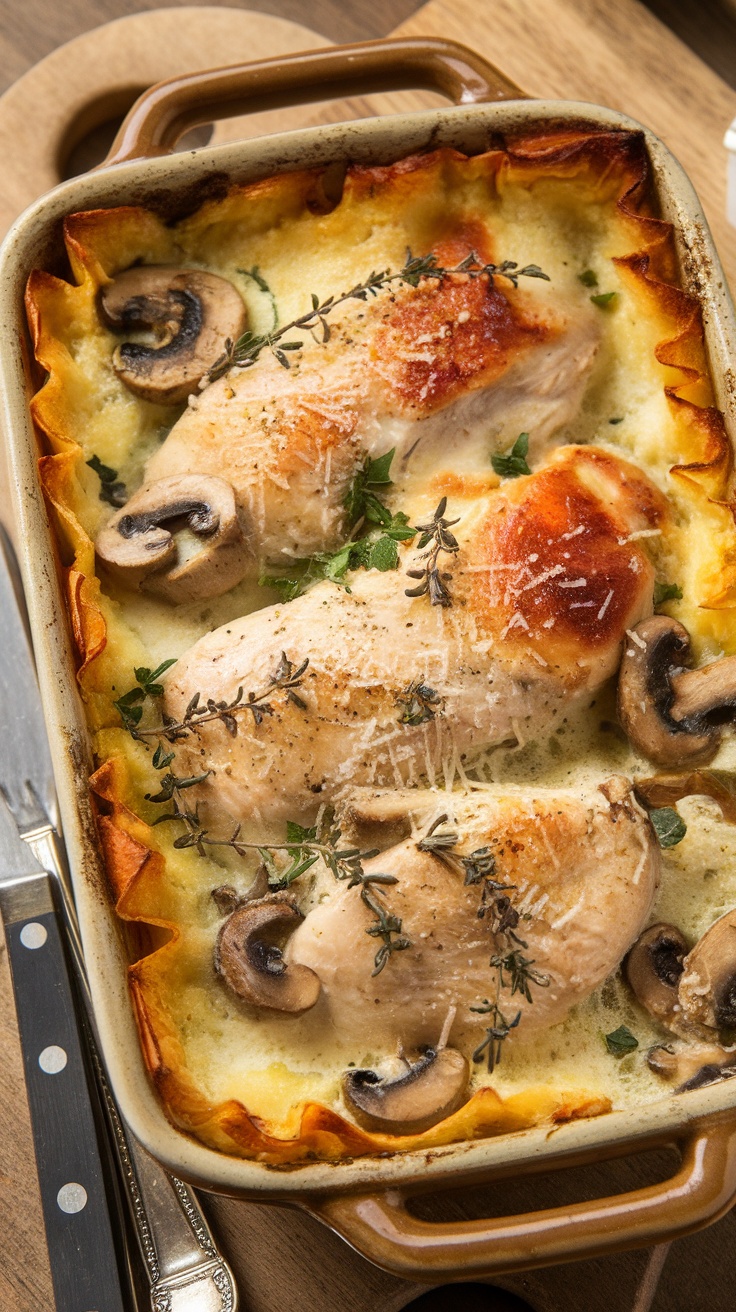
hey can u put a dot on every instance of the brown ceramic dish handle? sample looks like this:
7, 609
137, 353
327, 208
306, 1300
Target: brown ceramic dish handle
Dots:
164, 112
380, 1227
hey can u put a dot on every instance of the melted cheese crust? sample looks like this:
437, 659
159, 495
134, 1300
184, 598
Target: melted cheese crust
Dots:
570, 202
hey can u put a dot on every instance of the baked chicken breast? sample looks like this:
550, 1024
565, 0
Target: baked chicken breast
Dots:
550, 573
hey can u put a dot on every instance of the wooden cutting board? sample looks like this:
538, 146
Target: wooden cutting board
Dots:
57, 118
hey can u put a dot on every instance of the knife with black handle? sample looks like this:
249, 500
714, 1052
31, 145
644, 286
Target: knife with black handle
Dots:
185, 1271
72, 1172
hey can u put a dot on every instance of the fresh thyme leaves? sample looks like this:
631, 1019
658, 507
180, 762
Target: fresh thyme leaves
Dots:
588, 278
361, 501
479, 866
418, 703
112, 490
514, 971
666, 592
285, 862
604, 299
518, 968
621, 1041
435, 534
129, 706
512, 464
376, 550
172, 784
387, 928
669, 827
256, 276
244, 353
498, 1030
287, 677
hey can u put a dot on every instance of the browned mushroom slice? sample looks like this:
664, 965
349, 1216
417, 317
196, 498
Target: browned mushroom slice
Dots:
666, 711
145, 546
707, 989
653, 969
692, 1066
252, 964
193, 314
669, 789
433, 1088
227, 899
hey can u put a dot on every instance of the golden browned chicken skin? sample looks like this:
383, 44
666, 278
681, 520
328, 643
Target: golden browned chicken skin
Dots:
550, 574
461, 364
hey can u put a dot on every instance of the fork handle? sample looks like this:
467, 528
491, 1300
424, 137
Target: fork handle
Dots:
76, 1208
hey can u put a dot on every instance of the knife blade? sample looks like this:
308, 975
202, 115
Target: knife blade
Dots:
27, 780
184, 1267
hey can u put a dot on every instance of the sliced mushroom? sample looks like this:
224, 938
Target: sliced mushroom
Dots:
433, 1088
669, 789
252, 964
668, 711
707, 990
193, 314
653, 969
139, 544
227, 899
692, 1066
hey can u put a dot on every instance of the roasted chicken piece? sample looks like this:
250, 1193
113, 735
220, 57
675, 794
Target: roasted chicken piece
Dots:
580, 867
438, 371
549, 575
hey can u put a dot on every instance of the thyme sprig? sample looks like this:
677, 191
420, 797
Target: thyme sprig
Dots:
243, 353
112, 489
513, 970
437, 536
498, 1030
287, 677
286, 862
375, 549
130, 705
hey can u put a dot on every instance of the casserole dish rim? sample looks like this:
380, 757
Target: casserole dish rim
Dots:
374, 140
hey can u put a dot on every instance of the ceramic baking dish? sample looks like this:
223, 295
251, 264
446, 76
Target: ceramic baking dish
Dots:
363, 1200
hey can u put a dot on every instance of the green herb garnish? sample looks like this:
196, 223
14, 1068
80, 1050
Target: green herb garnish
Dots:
437, 536
621, 1041
112, 490
603, 299
588, 278
361, 501
129, 706
669, 826
512, 464
666, 592
247, 349
513, 970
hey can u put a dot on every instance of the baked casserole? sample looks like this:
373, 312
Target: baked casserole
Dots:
393, 510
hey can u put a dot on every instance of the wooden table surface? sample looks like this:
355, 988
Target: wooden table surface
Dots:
617, 53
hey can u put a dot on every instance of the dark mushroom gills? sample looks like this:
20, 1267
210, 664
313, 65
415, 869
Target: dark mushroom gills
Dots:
193, 314
432, 1088
653, 969
251, 962
144, 546
668, 711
